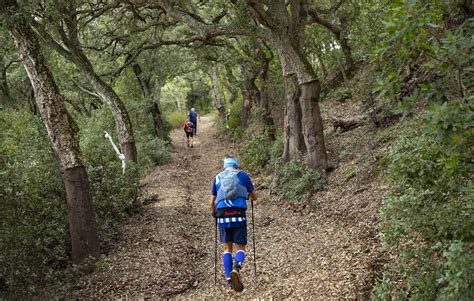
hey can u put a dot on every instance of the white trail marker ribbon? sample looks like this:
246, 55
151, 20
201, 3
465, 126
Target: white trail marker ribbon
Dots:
119, 154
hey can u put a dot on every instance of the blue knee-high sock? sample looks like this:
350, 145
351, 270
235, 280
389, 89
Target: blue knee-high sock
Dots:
240, 256
227, 260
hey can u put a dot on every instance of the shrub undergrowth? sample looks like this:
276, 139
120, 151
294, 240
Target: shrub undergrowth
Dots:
176, 119
34, 237
296, 181
427, 213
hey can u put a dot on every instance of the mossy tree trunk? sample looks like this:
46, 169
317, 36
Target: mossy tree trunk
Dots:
286, 26
73, 52
62, 133
217, 93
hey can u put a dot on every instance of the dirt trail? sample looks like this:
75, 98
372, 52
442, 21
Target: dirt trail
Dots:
167, 251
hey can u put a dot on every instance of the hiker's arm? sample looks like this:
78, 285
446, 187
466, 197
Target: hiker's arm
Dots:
213, 205
253, 195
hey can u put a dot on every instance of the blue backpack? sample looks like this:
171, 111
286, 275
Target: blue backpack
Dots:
229, 183
192, 116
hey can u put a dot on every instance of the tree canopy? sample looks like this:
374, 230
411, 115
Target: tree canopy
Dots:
270, 72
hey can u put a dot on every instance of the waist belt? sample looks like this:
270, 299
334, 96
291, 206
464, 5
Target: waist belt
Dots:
230, 212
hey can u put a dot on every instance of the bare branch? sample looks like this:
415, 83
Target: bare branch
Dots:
218, 18
85, 90
261, 14
331, 10
46, 37
316, 18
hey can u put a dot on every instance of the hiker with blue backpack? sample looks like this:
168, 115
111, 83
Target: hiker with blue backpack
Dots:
230, 191
193, 117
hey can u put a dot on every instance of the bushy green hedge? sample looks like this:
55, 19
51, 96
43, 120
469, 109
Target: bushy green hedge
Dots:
296, 181
235, 114
153, 151
34, 238
231, 126
427, 213
114, 194
176, 119
255, 154
427, 217
258, 153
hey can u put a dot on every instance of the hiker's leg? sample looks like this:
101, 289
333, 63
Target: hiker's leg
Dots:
240, 240
227, 262
240, 254
228, 247
226, 239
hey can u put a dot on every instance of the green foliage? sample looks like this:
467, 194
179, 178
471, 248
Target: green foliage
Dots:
296, 181
174, 94
341, 94
153, 151
259, 153
427, 216
176, 119
34, 241
427, 211
198, 97
276, 150
256, 152
34, 238
235, 114
232, 124
114, 194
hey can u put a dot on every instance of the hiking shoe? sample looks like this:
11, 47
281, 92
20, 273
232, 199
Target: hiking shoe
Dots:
235, 278
237, 267
229, 287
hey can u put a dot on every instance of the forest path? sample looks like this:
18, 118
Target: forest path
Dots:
168, 250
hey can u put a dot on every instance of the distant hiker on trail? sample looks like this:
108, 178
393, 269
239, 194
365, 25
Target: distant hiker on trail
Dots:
193, 117
230, 190
188, 129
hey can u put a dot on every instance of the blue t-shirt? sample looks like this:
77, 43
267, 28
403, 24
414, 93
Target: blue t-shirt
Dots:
192, 116
244, 180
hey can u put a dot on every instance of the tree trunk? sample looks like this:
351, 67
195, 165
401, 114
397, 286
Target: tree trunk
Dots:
159, 125
5, 99
339, 64
265, 101
313, 125
244, 120
321, 63
122, 121
75, 54
232, 85
293, 139
217, 93
153, 99
251, 96
347, 51
142, 80
294, 63
61, 131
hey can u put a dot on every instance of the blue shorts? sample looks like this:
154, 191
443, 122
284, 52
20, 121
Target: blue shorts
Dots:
237, 235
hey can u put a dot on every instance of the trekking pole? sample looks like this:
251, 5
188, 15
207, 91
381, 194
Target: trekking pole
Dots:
215, 251
253, 240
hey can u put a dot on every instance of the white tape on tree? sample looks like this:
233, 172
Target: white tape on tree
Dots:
119, 154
